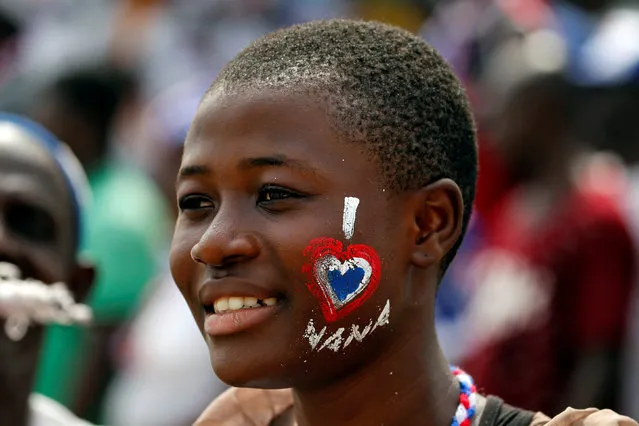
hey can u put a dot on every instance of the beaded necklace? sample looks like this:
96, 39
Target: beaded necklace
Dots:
467, 398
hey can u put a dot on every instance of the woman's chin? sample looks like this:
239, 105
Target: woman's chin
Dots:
246, 381
245, 360
242, 375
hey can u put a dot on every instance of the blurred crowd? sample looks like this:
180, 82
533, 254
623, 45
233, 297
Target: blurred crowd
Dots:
541, 305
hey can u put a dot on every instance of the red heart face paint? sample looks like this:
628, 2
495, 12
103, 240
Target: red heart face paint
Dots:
341, 279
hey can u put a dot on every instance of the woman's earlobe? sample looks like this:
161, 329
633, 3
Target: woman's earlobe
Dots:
423, 259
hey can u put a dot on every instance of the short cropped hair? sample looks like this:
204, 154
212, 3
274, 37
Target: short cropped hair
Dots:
383, 87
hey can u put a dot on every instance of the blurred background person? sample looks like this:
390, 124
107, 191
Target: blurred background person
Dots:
126, 230
559, 256
42, 195
501, 44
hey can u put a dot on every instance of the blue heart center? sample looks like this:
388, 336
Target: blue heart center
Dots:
347, 284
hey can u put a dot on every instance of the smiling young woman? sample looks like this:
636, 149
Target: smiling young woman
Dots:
294, 284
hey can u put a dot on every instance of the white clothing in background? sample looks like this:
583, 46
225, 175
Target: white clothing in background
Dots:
47, 412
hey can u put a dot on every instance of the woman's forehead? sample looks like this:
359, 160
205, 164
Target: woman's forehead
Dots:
243, 127
273, 118
287, 106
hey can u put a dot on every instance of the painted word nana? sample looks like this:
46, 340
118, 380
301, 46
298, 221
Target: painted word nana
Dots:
338, 340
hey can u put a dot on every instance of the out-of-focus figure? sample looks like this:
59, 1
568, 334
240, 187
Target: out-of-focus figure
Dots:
42, 194
606, 64
553, 285
126, 229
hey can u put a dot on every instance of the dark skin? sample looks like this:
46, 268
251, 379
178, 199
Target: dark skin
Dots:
262, 175
36, 234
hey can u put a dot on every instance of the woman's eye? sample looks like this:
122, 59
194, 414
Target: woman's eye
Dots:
195, 202
270, 193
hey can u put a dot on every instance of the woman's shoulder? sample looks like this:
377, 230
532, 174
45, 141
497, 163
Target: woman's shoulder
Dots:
244, 407
495, 412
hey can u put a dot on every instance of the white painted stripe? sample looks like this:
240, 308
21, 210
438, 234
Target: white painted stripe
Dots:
350, 212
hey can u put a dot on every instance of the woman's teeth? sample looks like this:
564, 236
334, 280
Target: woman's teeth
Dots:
224, 304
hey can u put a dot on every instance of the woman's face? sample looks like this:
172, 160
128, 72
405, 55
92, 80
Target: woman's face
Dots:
262, 190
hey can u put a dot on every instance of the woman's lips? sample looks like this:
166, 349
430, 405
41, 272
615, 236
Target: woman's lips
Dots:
235, 321
233, 305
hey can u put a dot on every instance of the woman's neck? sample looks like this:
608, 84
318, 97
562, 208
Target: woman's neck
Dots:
410, 384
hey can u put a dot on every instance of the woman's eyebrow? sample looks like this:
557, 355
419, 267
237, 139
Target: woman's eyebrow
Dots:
278, 160
193, 170
251, 163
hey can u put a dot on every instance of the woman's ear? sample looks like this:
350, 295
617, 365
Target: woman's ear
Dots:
82, 279
438, 215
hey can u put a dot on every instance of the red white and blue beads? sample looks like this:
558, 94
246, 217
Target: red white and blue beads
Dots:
467, 398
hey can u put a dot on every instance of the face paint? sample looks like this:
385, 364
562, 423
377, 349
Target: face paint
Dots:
338, 340
341, 279
350, 212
